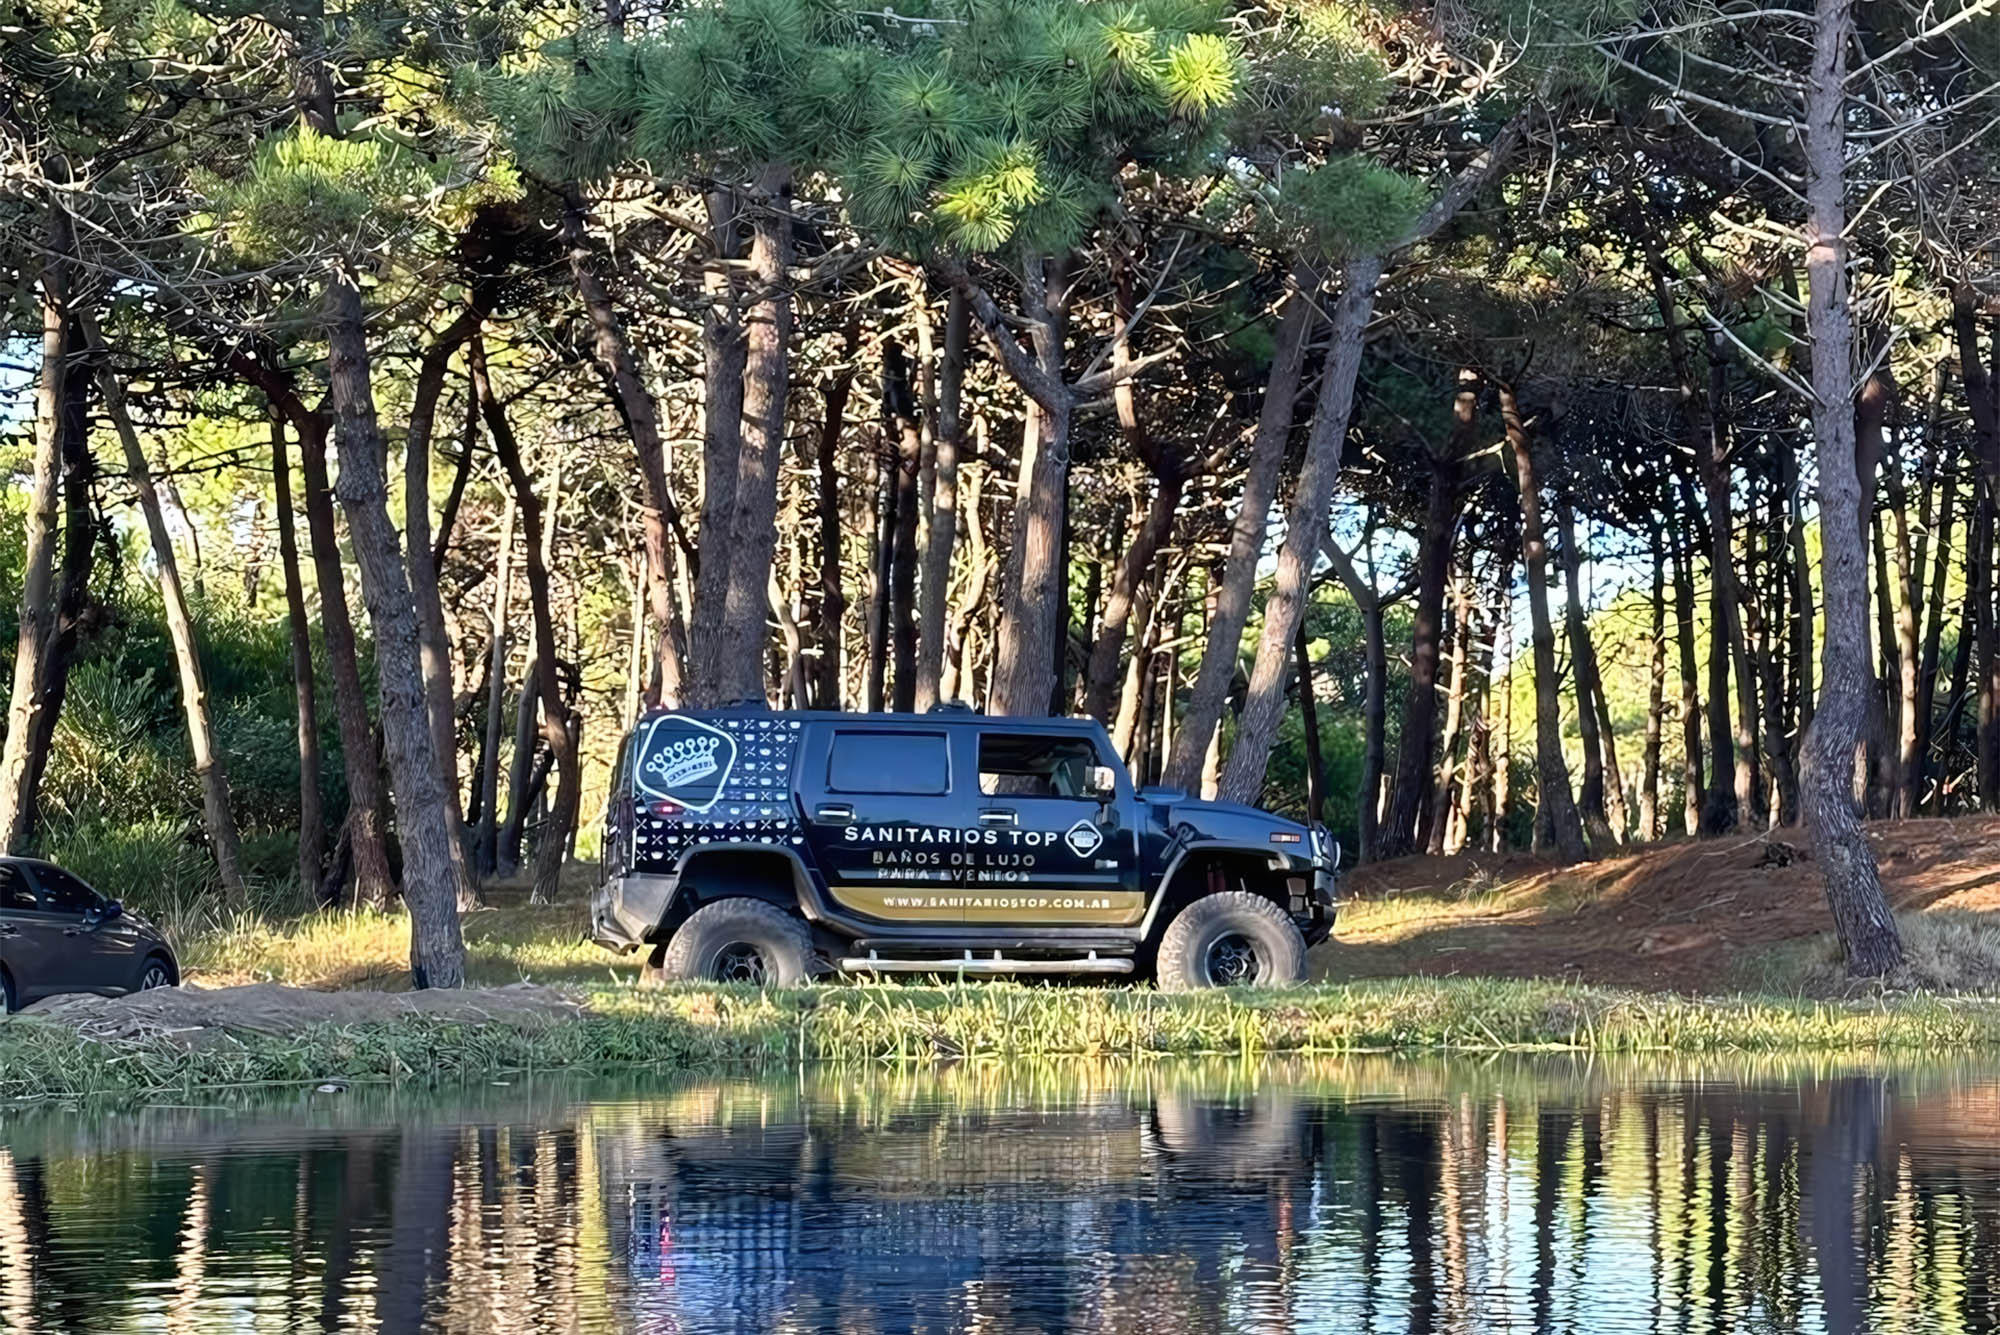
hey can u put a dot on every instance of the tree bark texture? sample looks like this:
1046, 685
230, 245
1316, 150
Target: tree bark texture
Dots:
499, 642
1867, 932
1305, 531
1417, 744
217, 819
743, 635
312, 818
430, 879
374, 886
36, 637
1558, 816
941, 527
1237, 589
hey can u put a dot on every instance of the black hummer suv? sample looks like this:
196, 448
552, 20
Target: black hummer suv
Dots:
759, 846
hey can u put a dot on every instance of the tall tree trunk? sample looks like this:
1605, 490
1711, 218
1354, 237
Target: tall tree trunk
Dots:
433, 641
725, 348
1108, 646
641, 417
1656, 692
941, 528
217, 819
1868, 935
374, 886
1224, 646
498, 644
312, 818
1583, 674
900, 400
520, 771
1693, 782
1305, 531
1448, 771
553, 841
881, 562
1934, 624
1801, 567
1557, 815
1502, 695
1374, 703
1034, 608
746, 608
832, 594
36, 637
1417, 744
1309, 713
430, 880
1909, 760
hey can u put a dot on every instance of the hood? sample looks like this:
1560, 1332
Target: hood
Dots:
1217, 820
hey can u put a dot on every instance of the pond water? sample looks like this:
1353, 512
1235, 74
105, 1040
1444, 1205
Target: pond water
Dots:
1368, 1195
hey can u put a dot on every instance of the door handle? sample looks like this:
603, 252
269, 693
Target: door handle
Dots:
9, 931
999, 816
836, 813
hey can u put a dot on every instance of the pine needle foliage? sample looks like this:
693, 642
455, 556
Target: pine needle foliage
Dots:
1349, 205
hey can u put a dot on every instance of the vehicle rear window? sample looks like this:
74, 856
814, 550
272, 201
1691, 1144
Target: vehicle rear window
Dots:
911, 763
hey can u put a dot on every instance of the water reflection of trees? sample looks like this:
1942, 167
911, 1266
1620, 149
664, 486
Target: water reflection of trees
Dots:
1132, 1204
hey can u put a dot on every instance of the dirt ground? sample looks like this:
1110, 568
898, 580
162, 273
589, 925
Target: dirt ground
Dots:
1680, 916
192, 1016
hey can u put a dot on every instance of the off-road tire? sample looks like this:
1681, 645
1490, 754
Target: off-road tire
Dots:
735, 940
1230, 939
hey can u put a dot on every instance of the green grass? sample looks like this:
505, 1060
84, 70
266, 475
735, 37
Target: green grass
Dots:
722, 1027
517, 944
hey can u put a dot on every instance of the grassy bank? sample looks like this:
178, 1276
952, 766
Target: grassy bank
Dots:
715, 1027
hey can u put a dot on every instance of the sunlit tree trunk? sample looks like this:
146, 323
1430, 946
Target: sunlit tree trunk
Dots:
829, 623
1861, 916
35, 639
743, 635
1557, 815
1224, 645
1305, 530
430, 878
312, 820
210, 771
499, 642
941, 528
1656, 690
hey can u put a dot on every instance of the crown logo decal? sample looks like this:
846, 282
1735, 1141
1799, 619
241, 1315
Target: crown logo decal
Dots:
687, 761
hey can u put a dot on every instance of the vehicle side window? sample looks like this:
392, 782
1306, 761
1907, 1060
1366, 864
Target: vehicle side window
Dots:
912, 764
1026, 765
63, 893
15, 892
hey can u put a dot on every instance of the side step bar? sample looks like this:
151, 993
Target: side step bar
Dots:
984, 965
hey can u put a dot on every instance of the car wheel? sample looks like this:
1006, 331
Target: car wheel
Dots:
1231, 939
736, 941
6, 993
157, 974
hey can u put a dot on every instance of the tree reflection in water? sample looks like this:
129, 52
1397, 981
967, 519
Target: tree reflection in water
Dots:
1370, 1196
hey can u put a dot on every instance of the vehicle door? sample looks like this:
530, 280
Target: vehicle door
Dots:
1054, 852
100, 950
886, 823
24, 947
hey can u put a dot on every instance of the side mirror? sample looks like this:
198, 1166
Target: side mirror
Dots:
1102, 782
112, 911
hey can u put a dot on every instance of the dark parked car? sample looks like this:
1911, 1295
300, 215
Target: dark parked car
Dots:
59, 935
